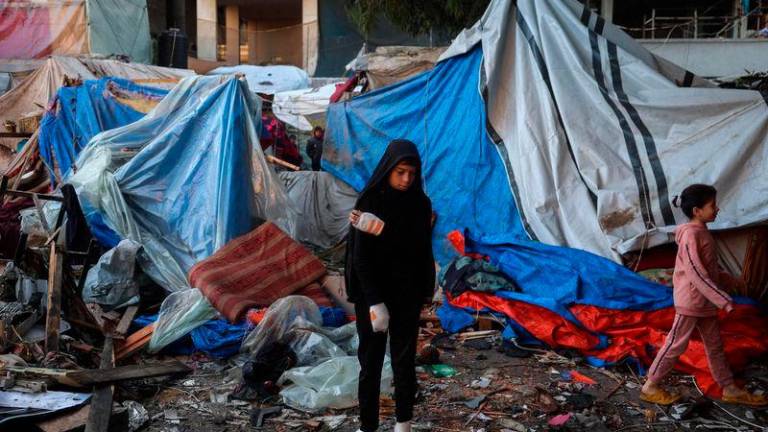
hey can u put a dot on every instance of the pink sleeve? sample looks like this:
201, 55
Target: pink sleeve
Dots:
698, 274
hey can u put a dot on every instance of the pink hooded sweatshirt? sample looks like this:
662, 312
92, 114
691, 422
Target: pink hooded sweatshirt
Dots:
698, 279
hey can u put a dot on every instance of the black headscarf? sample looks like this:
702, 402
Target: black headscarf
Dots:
397, 151
402, 255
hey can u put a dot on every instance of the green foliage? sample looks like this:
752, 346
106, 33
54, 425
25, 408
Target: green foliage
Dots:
417, 17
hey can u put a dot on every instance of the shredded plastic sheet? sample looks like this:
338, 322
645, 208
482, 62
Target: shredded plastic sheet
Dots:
322, 204
183, 181
110, 282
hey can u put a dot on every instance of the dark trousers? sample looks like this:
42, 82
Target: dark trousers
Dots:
403, 333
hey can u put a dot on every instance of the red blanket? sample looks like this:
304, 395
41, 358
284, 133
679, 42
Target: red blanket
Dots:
255, 270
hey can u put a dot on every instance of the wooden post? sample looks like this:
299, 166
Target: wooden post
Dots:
101, 403
55, 276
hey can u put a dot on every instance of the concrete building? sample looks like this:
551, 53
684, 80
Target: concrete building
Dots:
711, 38
230, 32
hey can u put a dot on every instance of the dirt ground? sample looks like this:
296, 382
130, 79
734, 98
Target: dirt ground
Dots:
490, 391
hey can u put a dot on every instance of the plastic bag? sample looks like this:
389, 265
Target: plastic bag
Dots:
331, 384
297, 321
180, 313
284, 315
31, 224
110, 282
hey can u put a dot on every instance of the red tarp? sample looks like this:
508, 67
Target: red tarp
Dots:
636, 334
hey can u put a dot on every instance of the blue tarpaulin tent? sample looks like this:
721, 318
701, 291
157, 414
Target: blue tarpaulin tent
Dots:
442, 111
82, 111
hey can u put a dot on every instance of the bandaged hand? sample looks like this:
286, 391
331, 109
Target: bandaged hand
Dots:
366, 222
379, 317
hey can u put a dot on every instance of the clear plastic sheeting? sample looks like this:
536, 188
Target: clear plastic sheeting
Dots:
331, 384
185, 179
314, 345
327, 376
180, 313
110, 282
297, 321
322, 204
282, 317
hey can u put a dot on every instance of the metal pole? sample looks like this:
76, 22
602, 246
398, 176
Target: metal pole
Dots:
695, 23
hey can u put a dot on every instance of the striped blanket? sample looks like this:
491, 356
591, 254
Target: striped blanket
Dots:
255, 270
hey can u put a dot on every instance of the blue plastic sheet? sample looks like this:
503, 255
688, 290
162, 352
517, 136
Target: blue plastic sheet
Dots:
217, 338
81, 112
442, 111
333, 316
556, 277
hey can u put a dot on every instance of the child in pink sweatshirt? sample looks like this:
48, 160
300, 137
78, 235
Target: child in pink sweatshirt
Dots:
698, 293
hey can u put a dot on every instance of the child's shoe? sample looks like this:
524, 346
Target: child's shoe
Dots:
660, 397
748, 399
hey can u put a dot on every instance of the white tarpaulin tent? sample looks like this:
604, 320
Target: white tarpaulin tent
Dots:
268, 79
298, 107
599, 134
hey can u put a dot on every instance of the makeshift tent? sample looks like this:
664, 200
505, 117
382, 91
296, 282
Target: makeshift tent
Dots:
305, 108
183, 181
268, 79
566, 149
390, 64
37, 29
80, 112
442, 112
31, 96
616, 131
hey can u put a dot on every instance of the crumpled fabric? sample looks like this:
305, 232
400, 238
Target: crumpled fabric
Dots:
110, 282
465, 273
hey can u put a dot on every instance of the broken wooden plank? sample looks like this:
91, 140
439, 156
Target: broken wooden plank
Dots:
101, 403
53, 312
125, 321
135, 342
49, 375
91, 377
